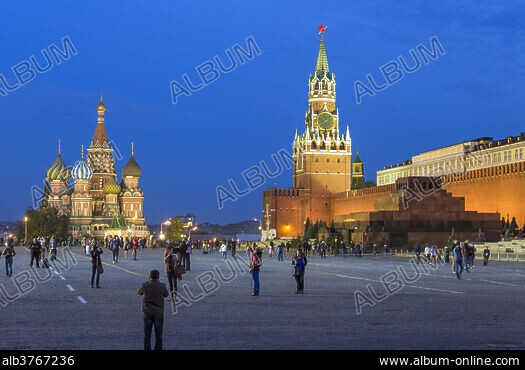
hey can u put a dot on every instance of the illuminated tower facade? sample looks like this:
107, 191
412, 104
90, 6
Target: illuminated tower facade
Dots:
322, 154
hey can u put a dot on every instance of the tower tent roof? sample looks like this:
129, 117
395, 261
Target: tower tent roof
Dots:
322, 62
357, 159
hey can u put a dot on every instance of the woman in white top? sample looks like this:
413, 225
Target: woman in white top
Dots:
224, 249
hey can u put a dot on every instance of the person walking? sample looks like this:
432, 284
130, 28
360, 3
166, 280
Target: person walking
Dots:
288, 246
486, 256
34, 249
9, 253
171, 261
114, 245
417, 251
280, 250
342, 246
270, 250
458, 260
96, 264
255, 268
298, 271
154, 293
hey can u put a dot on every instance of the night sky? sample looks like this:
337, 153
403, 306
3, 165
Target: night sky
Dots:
133, 50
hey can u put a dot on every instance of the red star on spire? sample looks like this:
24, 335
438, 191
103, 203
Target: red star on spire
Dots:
321, 29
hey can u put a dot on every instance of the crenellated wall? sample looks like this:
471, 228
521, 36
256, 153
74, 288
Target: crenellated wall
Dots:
497, 189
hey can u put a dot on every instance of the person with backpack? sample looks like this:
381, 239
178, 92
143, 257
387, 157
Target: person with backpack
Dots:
9, 253
171, 261
114, 245
255, 268
486, 255
280, 250
298, 272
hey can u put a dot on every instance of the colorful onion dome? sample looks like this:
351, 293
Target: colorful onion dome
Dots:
111, 187
131, 168
58, 171
82, 171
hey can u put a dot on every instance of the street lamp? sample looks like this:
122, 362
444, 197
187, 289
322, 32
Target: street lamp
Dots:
167, 223
25, 236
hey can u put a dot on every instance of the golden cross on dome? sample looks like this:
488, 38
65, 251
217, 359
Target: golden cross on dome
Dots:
321, 29
82, 151
132, 148
59, 147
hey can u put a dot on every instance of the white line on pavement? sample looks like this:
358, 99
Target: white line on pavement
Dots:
497, 282
70, 288
81, 299
60, 276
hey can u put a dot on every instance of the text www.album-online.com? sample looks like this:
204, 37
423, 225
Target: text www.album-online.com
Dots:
445, 361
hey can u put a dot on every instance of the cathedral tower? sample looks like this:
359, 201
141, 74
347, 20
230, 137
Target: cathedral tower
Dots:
81, 200
100, 159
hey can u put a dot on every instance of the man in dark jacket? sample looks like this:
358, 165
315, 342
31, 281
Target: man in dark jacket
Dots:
154, 293
35, 252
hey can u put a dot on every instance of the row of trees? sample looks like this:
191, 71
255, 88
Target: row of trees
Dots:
510, 229
45, 222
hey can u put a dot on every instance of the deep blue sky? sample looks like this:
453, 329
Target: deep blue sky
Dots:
132, 50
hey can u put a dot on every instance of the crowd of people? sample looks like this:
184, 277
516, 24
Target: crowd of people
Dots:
461, 255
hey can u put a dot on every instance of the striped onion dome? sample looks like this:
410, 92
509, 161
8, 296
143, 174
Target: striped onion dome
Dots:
58, 171
131, 168
82, 171
111, 187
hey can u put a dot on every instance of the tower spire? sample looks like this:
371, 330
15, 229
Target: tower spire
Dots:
322, 62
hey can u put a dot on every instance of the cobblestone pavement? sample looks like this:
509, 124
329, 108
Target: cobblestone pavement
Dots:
56, 309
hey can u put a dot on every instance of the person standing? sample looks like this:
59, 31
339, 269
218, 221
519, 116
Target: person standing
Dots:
298, 272
255, 268
224, 250
288, 246
171, 261
270, 250
342, 246
53, 249
234, 248
154, 293
466, 257
433, 253
135, 247
322, 250
9, 253
35, 253
458, 260
187, 260
96, 264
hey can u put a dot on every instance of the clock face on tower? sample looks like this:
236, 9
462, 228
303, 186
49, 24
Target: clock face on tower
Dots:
325, 121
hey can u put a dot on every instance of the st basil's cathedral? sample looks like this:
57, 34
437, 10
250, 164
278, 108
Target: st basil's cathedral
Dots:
96, 203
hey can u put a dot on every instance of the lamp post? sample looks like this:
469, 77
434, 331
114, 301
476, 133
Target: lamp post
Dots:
25, 236
167, 223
